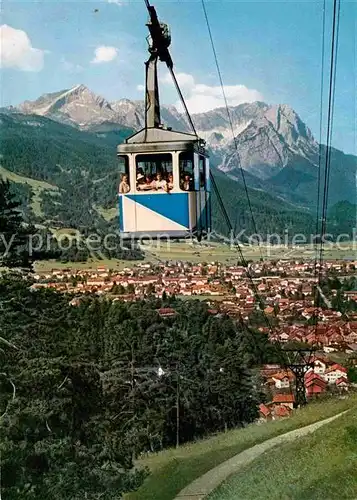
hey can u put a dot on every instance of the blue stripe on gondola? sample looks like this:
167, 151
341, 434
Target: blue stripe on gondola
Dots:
174, 206
121, 215
204, 218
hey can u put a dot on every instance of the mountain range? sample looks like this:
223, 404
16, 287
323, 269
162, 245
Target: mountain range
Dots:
275, 148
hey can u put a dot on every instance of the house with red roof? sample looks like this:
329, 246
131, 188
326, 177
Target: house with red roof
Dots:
282, 411
284, 399
281, 380
284, 337
320, 365
167, 312
264, 412
335, 372
314, 384
269, 370
269, 310
342, 384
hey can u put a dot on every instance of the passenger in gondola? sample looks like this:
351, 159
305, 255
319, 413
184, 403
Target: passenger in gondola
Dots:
170, 182
160, 183
124, 186
140, 181
186, 183
146, 185
148, 181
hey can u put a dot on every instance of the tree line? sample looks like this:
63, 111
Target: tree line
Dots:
88, 384
86, 388
17, 235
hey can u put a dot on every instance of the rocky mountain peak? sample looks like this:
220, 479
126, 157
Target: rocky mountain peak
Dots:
78, 105
288, 123
269, 136
124, 104
129, 113
80, 94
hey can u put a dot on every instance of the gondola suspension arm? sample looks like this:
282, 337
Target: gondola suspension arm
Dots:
159, 41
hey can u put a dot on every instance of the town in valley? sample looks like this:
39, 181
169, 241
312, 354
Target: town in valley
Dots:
287, 290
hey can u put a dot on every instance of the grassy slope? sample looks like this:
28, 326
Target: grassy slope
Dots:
107, 213
321, 466
36, 185
11, 176
173, 469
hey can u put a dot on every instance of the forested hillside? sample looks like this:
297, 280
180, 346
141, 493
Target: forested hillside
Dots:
271, 215
87, 383
65, 177
85, 388
83, 167
342, 218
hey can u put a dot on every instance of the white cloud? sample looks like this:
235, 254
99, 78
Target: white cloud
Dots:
104, 54
185, 81
116, 2
17, 52
200, 97
140, 88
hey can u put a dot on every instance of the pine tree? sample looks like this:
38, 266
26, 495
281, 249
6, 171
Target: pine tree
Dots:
14, 238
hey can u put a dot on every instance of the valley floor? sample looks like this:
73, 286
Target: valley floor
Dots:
228, 254
211, 253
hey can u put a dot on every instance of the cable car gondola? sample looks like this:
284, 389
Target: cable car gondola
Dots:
164, 189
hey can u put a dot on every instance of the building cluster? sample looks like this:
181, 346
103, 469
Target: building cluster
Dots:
275, 280
335, 335
323, 376
285, 287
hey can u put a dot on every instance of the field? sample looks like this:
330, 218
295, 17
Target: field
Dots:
107, 213
37, 188
173, 469
201, 253
212, 252
229, 255
115, 264
322, 466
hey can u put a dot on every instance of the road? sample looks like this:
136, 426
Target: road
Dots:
206, 484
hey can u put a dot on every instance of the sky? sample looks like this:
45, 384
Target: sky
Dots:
267, 50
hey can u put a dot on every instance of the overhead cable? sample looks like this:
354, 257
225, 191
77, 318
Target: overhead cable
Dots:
182, 100
240, 252
331, 103
229, 118
320, 137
